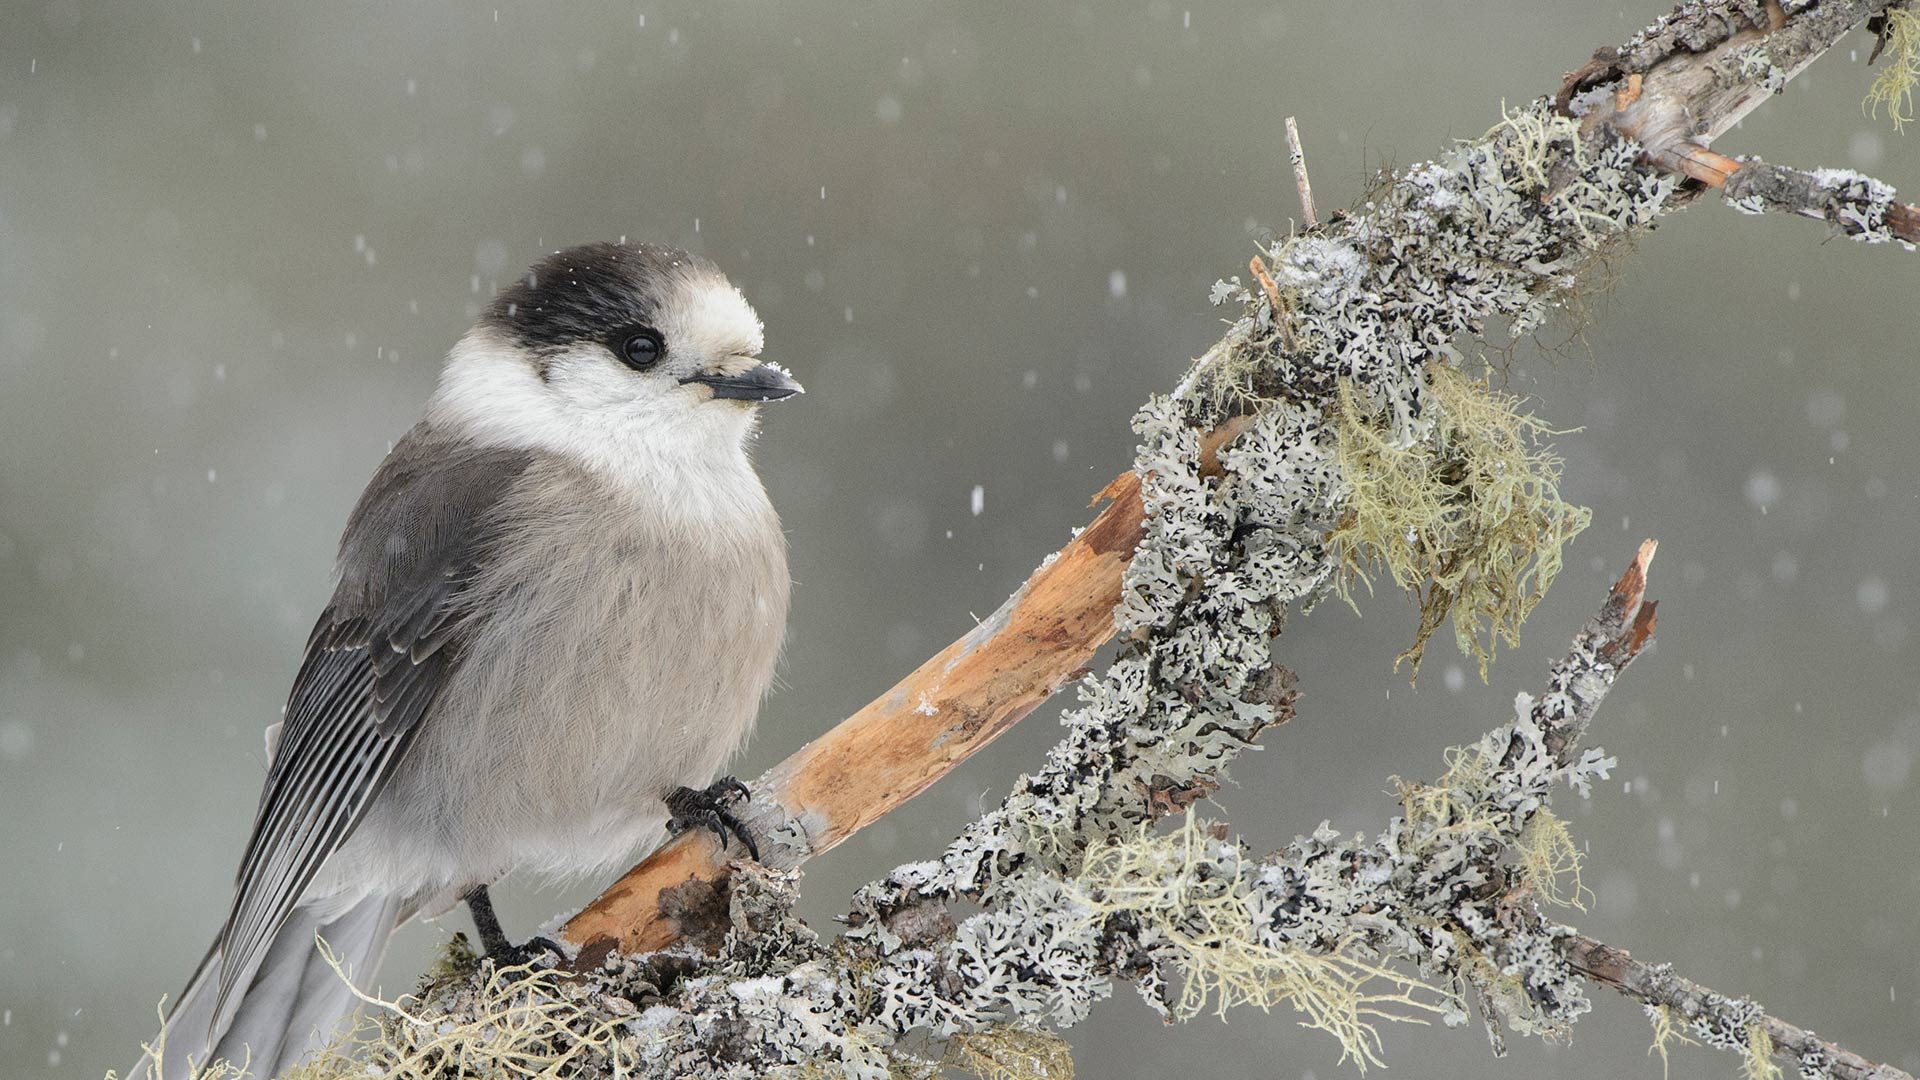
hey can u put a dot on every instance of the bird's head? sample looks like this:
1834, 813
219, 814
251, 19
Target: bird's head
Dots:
604, 338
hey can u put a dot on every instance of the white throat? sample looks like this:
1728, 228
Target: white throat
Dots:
686, 451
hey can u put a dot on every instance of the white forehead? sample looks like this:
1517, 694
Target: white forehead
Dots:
709, 317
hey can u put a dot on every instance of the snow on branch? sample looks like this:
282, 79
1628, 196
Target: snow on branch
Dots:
1335, 436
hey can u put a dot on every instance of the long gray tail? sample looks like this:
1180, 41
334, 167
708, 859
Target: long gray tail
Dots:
292, 1005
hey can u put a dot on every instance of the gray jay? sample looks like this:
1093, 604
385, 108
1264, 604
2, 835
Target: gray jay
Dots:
558, 602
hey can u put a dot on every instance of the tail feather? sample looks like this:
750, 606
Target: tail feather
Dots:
292, 1004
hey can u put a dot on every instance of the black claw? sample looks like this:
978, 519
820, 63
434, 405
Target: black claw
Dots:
493, 939
711, 810
527, 952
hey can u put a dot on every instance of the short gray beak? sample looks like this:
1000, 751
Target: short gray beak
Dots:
762, 382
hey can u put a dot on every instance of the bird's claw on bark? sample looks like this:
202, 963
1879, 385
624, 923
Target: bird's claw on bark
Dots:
711, 809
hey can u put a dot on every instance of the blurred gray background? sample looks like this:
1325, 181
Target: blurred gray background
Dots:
235, 240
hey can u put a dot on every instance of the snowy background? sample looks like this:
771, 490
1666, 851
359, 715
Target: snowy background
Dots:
235, 240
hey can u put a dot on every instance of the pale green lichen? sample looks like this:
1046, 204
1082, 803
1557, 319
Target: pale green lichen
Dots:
1010, 1052
1550, 862
1172, 886
1893, 88
1665, 1035
1470, 520
515, 1023
1758, 1063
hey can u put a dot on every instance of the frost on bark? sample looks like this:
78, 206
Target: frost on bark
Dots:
1338, 434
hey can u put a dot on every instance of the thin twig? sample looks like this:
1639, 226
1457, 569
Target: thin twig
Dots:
1657, 985
1299, 159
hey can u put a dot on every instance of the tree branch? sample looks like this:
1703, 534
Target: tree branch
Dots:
1723, 1021
1681, 85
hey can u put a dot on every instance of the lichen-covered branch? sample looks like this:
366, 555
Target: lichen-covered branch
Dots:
1494, 233
1858, 206
1735, 1024
1688, 79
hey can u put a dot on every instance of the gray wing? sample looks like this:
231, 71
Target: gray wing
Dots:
385, 646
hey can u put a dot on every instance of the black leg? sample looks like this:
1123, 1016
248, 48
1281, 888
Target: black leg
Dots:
493, 939
712, 809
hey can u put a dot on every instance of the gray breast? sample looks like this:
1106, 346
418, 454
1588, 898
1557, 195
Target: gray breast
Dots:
619, 650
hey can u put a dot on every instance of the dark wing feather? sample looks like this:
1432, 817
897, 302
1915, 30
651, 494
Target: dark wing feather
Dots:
385, 646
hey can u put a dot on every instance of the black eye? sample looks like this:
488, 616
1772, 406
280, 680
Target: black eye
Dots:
642, 348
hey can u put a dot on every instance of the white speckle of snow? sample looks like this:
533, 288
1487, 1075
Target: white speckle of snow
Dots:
1454, 679
259, 133
924, 706
1117, 284
16, 739
213, 475
1887, 766
1825, 408
1866, 149
978, 500
1060, 450
1763, 489
888, 109
1872, 595
1786, 568
1619, 896
533, 161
